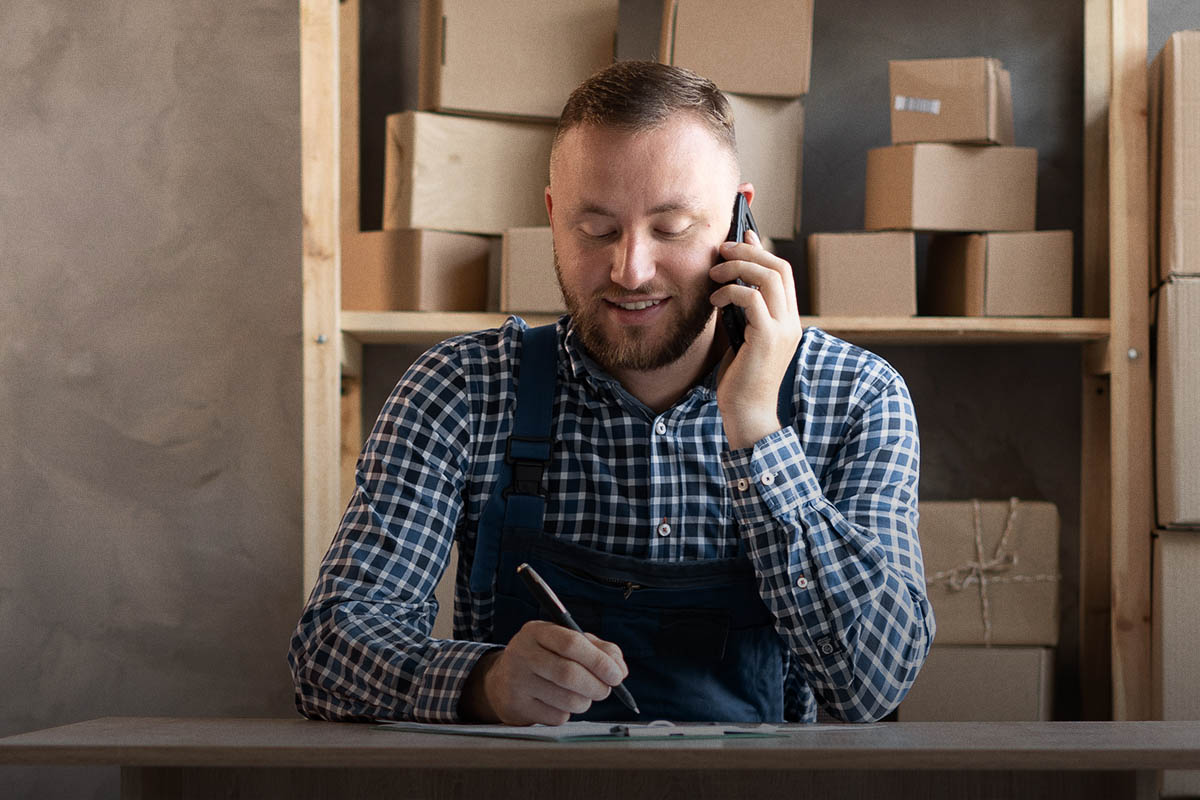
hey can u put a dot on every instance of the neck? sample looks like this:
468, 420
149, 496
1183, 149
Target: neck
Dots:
661, 388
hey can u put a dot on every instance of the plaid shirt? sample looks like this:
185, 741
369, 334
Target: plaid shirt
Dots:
826, 508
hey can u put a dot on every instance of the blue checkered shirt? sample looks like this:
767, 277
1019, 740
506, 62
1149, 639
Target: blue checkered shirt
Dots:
826, 508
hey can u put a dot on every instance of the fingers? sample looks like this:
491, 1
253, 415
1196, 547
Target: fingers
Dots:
755, 266
612, 651
548, 672
582, 664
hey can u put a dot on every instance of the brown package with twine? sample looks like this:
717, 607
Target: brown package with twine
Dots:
992, 571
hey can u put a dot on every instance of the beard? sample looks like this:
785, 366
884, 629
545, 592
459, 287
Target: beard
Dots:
635, 347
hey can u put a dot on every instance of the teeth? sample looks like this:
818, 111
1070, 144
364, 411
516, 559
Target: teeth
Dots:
638, 306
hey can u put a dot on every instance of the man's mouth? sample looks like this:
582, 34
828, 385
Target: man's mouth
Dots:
636, 305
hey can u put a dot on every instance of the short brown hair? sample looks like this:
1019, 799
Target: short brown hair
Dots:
641, 95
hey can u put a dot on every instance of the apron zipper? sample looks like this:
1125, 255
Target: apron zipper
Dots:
628, 586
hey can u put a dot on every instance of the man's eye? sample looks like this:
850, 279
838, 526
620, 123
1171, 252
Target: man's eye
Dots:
673, 233
597, 233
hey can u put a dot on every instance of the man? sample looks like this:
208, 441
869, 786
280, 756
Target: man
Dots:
727, 563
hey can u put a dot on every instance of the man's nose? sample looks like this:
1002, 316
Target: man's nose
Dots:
633, 262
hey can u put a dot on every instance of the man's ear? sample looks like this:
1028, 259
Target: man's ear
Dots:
746, 189
550, 206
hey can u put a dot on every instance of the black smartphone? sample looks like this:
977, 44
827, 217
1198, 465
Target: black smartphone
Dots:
732, 316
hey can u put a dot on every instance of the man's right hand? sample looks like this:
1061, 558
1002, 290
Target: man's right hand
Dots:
545, 674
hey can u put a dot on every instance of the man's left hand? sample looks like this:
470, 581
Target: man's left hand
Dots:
748, 390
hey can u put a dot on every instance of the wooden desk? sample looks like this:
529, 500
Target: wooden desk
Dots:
294, 758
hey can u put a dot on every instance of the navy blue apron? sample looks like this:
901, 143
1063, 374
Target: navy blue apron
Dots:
699, 642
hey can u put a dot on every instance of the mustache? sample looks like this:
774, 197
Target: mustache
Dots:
648, 290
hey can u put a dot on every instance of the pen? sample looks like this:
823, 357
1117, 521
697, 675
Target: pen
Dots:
559, 615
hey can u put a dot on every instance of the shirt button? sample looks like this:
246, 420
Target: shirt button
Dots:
743, 484
664, 529
660, 427
768, 479
802, 582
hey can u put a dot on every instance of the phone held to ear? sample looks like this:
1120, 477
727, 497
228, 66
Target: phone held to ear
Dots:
732, 316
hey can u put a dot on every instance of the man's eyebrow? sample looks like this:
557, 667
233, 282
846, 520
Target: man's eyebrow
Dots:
662, 208
676, 205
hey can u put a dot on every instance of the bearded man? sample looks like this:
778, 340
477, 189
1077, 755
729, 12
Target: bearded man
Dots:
735, 529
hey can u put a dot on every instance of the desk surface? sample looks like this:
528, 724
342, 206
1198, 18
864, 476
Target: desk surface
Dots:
160, 741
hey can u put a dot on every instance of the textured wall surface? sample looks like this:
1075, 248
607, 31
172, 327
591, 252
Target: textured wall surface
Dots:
149, 364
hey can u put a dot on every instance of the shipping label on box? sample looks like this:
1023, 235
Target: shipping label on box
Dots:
414, 270
1175, 156
770, 140
1176, 641
465, 174
992, 571
528, 281
863, 274
1177, 403
1023, 274
760, 48
966, 100
516, 58
951, 187
968, 684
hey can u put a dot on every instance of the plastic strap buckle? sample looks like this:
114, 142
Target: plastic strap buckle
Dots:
528, 456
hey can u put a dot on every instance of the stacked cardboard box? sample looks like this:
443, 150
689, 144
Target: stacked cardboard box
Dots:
1175, 275
952, 169
1176, 641
529, 282
759, 55
1175, 306
473, 161
993, 580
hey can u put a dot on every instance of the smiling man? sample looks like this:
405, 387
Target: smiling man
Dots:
736, 531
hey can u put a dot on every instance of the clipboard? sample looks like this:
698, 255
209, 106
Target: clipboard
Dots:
592, 731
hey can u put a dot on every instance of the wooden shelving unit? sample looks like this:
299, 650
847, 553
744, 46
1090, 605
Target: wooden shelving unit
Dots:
1116, 497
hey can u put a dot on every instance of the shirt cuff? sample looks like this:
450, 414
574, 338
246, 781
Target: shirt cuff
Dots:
442, 681
776, 467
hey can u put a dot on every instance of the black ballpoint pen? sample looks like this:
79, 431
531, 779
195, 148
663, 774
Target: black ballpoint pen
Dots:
560, 616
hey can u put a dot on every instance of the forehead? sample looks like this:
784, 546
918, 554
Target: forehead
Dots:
681, 151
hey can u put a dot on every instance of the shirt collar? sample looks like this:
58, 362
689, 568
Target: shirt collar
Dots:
584, 368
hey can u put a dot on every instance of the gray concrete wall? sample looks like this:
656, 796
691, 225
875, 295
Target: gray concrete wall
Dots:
150, 504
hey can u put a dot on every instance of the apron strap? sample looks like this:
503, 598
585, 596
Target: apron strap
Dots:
517, 499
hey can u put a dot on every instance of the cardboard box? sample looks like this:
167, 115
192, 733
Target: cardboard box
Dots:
528, 281
1175, 649
516, 58
951, 187
1177, 403
1026, 274
967, 684
966, 100
465, 174
414, 270
770, 139
760, 48
1017, 558
863, 274
1175, 158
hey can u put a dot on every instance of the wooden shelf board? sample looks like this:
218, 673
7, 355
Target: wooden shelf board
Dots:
417, 327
